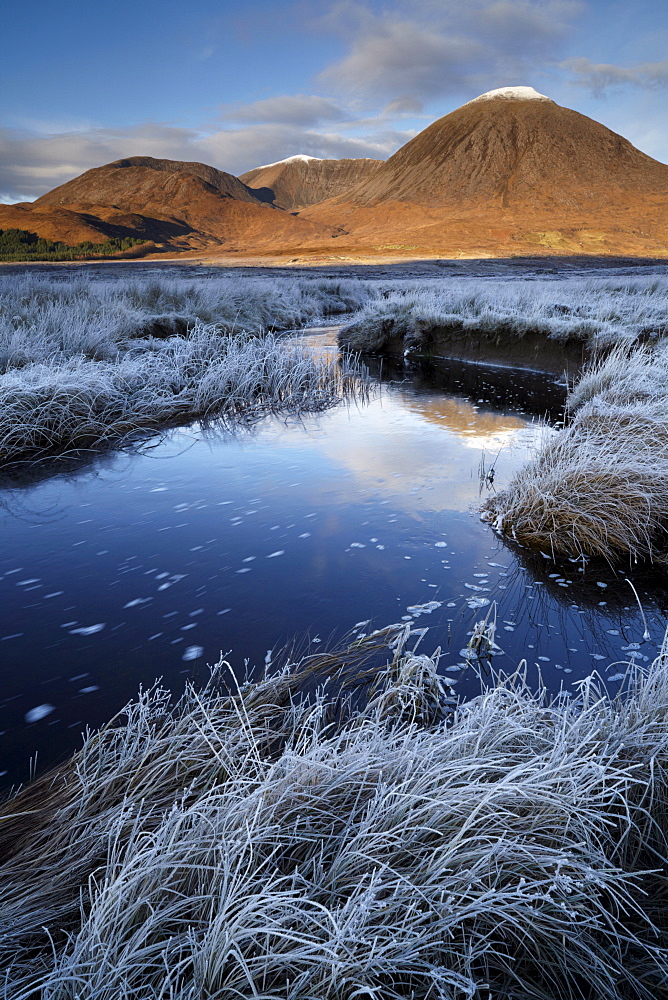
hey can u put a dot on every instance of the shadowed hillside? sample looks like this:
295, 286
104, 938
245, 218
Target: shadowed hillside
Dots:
509, 173
189, 205
300, 181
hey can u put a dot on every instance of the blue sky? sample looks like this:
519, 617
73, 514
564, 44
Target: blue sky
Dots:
237, 85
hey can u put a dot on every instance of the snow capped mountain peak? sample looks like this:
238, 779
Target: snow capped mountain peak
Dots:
297, 158
512, 94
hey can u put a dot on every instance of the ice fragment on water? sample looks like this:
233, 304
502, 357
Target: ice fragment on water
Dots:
88, 629
192, 652
39, 712
423, 609
476, 602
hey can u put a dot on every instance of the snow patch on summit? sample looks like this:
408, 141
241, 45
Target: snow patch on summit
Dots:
512, 94
297, 158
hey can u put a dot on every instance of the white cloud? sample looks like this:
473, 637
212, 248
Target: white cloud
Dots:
431, 48
245, 148
290, 109
600, 78
31, 164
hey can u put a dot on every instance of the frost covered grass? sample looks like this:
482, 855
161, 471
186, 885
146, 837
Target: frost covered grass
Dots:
600, 486
595, 312
46, 319
275, 844
80, 405
88, 363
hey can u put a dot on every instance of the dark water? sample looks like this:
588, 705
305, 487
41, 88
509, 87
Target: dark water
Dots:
152, 563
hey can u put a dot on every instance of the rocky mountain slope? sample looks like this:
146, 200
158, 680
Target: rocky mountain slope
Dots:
299, 181
188, 205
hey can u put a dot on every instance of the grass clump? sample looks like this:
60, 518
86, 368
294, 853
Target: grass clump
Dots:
80, 404
272, 844
49, 320
85, 363
600, 486
596, 312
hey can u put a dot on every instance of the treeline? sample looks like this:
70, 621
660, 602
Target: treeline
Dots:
19, 244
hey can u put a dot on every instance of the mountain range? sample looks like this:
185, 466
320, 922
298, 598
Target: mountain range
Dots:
510, 172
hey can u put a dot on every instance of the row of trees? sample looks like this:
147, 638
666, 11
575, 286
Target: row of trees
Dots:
19, 244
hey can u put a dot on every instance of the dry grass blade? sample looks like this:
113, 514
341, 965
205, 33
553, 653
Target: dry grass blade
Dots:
278, 844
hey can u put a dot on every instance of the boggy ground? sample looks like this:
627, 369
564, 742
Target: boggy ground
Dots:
87, 362
369, 839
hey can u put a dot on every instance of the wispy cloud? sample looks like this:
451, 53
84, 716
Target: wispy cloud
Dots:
31, 164
289, 109
428, 49
601, 78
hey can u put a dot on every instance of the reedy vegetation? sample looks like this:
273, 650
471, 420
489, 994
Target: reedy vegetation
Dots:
600, 486
80, 405
599, 312
271, 844
87, 363
50, 320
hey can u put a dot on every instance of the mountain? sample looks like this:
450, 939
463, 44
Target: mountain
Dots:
509, 173
299, 181
510, 167
188, 205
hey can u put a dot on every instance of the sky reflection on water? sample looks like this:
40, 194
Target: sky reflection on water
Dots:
151, 564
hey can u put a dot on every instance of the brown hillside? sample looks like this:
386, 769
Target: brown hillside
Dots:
55, 224
507, 174
187, 205
300, 181
509, 152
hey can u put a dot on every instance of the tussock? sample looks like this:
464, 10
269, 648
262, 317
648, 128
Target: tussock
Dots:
88, 363
600, 486
81, 404
596, 312
49, 320
271, 844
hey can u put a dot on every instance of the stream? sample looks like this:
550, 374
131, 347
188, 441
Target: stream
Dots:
152, 562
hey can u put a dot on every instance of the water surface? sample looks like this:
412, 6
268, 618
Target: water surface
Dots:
154, 562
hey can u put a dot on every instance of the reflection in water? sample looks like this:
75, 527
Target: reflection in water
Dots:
151, 563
